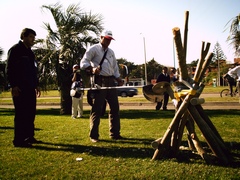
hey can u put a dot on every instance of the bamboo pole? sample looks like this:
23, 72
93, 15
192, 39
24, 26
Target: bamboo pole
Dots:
208, 121
195, 141
174, 139
205, 66
212, 140
165, 142
177, 135
185, 35
156, 143
200, 68
190, 143
180, 53
196, 101
173, 125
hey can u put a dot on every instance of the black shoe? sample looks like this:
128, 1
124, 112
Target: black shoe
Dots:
117, 137
165, 109
23, 144
32, 140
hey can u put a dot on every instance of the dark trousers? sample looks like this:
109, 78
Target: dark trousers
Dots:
25, 110
164, 102
230, 85
109, 95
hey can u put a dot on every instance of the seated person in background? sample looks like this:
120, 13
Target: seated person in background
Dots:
231, 76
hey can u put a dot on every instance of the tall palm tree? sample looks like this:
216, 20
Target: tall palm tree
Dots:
66, 45
234, 34
1, 51
3, 81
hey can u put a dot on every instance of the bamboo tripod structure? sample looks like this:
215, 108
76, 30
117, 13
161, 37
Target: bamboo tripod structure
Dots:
189, 110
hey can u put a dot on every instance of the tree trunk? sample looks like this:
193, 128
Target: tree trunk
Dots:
65, 86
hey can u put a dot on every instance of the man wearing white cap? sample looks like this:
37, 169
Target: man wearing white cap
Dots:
106, 74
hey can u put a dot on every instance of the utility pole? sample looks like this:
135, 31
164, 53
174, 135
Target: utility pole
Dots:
219, 81
174, 54
145, 60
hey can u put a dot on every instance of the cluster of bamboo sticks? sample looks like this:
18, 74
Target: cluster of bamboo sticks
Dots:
190, 112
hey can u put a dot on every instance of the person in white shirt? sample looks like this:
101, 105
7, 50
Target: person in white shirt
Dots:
105, 75
235, 73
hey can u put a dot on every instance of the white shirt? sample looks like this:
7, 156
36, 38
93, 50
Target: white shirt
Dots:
235, 72
93, 57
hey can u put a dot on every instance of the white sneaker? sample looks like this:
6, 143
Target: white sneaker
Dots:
94, 140
74, 117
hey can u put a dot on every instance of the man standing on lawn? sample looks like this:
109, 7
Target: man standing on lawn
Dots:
163, 77
22, 76
105, 73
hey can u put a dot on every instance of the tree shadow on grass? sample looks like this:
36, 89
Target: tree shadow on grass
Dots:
50, 111
12, 128
3, 128
99, 149
6, 127
146, 114
233, 156
6, 112
217, 113
153, 114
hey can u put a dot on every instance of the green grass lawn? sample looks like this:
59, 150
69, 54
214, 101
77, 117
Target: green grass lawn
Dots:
65, 139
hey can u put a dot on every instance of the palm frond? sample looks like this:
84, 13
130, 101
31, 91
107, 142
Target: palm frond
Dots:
234, 33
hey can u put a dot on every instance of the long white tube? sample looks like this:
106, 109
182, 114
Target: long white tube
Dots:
97, 87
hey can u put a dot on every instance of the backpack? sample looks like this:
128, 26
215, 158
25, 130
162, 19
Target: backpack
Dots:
75, 92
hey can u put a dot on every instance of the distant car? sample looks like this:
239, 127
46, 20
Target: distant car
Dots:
127, 91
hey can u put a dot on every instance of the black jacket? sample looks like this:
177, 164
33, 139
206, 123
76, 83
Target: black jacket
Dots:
161, 77
21, 67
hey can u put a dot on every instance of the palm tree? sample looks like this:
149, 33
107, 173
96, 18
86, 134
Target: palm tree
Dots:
66, 45
234, 34
3, 82
1, 51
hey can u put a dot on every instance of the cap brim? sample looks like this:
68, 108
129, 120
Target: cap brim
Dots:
109, 37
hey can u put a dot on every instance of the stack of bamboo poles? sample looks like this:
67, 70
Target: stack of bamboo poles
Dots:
189, 111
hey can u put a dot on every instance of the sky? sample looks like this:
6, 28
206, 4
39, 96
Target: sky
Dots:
134, 23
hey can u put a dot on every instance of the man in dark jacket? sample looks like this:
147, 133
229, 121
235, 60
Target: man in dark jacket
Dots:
22, 76
164, 76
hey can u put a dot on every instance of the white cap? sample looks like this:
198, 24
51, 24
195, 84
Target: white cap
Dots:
107, 34
75, 65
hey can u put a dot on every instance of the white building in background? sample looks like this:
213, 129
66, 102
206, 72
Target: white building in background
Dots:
134, 82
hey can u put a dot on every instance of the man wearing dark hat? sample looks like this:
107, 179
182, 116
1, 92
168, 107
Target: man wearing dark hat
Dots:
106, 75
